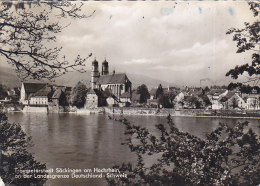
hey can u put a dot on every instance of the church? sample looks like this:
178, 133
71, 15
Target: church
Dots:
117, 84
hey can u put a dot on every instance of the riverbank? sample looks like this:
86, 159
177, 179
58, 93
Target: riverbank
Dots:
182, 113
140, 111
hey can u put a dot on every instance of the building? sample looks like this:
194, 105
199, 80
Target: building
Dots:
95, 98
232, 100
215, 96
43, 97
252, 102
117, 84
28, 89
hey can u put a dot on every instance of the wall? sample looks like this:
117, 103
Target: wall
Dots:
35, 109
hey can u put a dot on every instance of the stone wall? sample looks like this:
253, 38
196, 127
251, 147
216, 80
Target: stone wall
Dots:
181, 112
35, 109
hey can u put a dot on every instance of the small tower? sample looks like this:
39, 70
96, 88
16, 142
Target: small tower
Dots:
94, 73
105, 68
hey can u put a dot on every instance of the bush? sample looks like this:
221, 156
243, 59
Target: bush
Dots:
14, 155
228, 156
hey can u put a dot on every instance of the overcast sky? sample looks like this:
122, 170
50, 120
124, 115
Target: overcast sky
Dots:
179, 42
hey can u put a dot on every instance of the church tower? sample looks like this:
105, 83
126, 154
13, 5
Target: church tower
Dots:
94, 73
105, 68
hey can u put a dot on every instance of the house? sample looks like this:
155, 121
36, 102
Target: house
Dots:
232, 100
116, 83
215, 96
179, 100
95, 98
40, 98
28, 89
252, 102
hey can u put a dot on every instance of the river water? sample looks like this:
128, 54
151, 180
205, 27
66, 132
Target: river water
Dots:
93, 141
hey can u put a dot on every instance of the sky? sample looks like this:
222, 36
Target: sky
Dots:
178, 42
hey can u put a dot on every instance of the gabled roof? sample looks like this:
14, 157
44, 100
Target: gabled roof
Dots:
112, 79
230, 94
45, 91
33, 87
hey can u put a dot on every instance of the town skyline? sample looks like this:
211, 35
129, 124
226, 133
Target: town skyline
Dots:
163, 40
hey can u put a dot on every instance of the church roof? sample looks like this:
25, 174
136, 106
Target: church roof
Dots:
33, 87
112, 79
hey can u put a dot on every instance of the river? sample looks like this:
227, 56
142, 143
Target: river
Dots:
93, 141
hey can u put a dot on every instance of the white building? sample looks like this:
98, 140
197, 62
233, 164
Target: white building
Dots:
27, 92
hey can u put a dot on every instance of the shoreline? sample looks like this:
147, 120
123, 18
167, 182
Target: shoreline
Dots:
128, 111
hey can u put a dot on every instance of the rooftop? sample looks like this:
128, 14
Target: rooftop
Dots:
112, 79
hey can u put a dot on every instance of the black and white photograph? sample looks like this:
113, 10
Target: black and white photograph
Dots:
136, 93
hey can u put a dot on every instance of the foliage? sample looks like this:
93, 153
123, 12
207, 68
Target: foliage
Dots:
3, 92
78, 95
164, 101
144, 93
171, 97
159, 91
14, 154
63, 99
248, 40
205, 90
28, 34
227, 156
205, 99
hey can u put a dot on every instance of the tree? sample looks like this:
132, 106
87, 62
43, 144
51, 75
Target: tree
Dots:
144, 93
227, 156
79, 95
248, 40
164, 101
14, 155
159, 91
195, 102
63, 99
3, 92
28, 34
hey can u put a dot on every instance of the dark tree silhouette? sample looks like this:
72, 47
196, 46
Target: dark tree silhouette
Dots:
14, 155
78, 95
159, 91
248, 40
144, 93
28, 34
227, 156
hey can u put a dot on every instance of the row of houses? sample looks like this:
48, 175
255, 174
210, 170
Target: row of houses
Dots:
51, 97
216, 99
